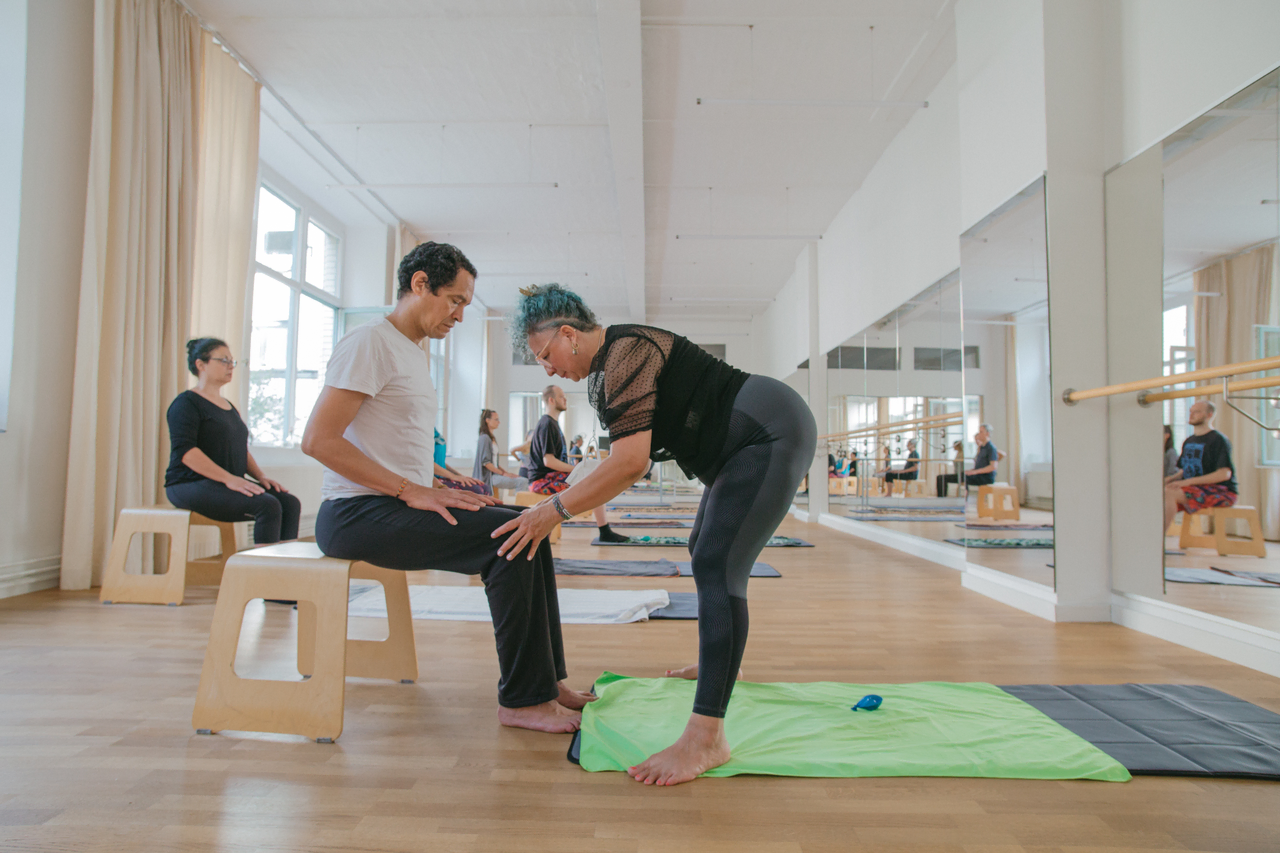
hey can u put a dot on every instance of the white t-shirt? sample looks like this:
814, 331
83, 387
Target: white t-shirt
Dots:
395, 427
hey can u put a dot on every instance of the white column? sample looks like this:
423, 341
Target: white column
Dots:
818, 502
1075, 110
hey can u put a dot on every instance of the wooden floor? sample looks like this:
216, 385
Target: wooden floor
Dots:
97, 752
1252, 605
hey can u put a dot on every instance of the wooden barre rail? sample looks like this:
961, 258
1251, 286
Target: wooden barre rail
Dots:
894, 430
1071, 396
1210, 390
931, 419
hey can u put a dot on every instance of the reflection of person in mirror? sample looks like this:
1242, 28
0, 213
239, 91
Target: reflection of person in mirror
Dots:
1171, 455
957, 462
1207, 477
909, 471
983, 472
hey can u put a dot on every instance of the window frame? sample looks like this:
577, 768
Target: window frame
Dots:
308, 212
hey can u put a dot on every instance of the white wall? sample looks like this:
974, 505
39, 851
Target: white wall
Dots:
54, 129
780, 336
1173, 59
1000, 67
899, 232
13, 91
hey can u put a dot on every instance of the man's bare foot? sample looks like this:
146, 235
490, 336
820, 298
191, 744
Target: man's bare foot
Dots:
701, 747
690, 672
547, 717
575, 700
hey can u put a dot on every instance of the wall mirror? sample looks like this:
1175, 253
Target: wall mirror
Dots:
896, 392
1008, 434
1220, 176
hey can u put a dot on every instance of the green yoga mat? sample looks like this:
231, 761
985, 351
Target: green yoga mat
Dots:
1001, 543
926, 729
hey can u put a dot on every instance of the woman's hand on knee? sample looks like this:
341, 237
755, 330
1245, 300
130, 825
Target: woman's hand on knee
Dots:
273, 486
527, 529
244, 487
442, 500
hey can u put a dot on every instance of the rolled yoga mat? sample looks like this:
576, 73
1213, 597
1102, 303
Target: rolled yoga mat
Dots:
928, 729
683, 542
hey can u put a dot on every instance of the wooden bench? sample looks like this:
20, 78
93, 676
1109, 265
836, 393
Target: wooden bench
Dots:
1226, 545
312, 707
121, 587
991, 502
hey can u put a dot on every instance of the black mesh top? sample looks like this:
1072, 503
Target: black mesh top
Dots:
647, 379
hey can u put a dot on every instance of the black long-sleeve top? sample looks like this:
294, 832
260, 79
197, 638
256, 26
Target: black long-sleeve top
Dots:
195, 422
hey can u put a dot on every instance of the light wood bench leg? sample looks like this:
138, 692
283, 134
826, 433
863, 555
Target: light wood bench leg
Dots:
118, 586
312, 707
1254, 545
207, 571
1194, 534
396, 657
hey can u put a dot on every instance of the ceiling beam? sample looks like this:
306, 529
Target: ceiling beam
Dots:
619, 26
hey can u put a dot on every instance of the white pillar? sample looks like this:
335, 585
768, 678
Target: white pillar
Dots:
818, 502
1075, 110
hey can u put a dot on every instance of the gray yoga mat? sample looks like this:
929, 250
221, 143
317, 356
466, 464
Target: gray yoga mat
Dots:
664, 522
1165, 729
881, 517
1226, 577
1001, 543
684, 605
687, 516
1015, 526
645, 568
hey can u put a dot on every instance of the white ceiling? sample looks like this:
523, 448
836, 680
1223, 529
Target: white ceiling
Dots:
599, 99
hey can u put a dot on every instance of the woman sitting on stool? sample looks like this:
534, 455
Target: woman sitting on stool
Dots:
210, 454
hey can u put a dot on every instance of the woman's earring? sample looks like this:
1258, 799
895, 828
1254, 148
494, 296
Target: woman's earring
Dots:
575, 349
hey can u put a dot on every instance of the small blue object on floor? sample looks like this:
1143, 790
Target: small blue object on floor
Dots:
868, 703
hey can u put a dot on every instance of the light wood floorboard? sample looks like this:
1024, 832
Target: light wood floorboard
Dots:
97, 752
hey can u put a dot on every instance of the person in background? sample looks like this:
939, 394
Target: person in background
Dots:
831, 466
552, 471
487, 470
575, 450
911, 470
1207, 477
209, 460
957, 462
983, 472
450, 478
1170, 453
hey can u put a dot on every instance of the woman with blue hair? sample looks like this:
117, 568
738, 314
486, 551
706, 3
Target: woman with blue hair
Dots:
748, 438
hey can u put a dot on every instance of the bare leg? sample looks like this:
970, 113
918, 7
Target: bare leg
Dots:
690, 672
701, 747
574, 700
1171, 495
547, 717
601, 521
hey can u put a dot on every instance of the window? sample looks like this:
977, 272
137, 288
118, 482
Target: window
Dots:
859, 358
1178, 358
935, 358
295, 299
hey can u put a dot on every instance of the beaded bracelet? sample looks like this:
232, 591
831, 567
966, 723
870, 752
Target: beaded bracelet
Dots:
404, 483
564, 513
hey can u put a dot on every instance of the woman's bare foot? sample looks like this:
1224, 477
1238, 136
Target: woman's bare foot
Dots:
575, 700
690, 672
701, 747
547, 717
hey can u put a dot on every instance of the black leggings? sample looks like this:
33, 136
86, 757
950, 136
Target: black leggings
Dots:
769, 448
275, 514
969, 480
522, 593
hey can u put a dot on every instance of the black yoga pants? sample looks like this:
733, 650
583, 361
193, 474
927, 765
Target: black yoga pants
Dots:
275, 514
969, 480
768, 450
522, 593
890, 476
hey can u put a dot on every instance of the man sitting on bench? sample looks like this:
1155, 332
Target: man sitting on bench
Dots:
373, 429
911, 470
1208, 477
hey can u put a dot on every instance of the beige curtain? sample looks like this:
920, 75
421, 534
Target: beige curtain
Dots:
1011, 467
1225, 334
135, 282
226, 186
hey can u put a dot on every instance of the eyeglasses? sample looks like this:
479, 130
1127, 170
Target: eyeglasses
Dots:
229, 362
539, 357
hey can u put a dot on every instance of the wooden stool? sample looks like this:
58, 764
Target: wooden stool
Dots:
835, 486
120, 587
852, 486
917, 488
313, 707
991, 502
1251, 546
533, 499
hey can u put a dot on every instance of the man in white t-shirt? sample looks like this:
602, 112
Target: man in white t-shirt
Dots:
373, 429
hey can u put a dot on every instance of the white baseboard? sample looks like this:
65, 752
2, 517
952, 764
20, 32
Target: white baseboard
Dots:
1256, 648
800, 514
942, 553
1027, 596
29, 576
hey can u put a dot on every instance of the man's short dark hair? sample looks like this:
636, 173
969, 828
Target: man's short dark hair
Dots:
440, 261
